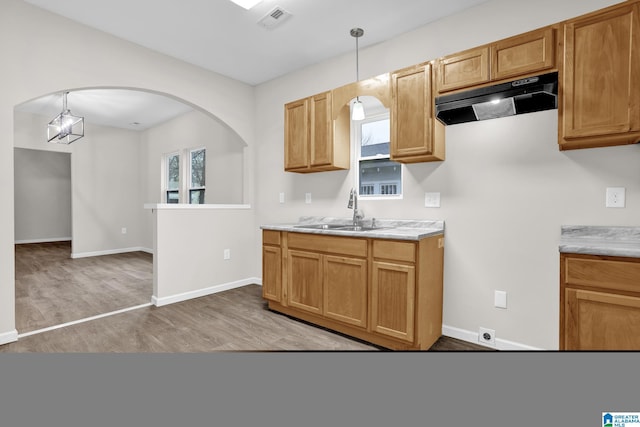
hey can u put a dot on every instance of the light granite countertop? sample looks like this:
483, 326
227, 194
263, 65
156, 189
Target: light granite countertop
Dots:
600, 240
385, 228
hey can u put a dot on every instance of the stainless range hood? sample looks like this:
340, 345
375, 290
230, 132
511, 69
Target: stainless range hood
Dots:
522, 96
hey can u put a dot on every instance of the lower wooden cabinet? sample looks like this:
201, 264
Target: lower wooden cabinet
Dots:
393, 300
599, 302
345, 290
271, 266
385, 292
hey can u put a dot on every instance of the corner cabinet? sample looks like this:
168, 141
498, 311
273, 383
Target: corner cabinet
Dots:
382, 291
599, 79
599, 302
416, 136
313, 141
513, 57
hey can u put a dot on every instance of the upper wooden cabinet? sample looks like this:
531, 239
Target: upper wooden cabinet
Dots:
523, 54
313, 141
415, 134
599, 79
516, 56
463, 69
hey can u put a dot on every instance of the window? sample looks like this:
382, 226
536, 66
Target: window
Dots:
197, 176
173, 178
378, 176
184, 176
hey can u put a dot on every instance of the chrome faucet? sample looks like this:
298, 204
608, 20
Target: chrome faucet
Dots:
358, 215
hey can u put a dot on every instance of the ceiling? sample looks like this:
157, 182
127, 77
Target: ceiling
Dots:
227, 39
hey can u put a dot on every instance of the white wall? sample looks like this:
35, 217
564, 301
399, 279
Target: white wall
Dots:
42, 183
224, 155
30, 38
189, 245
506, 188
106, 192
225, 163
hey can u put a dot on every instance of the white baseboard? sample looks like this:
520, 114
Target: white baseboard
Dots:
472, 337
7, 337
47, 240
111, 252
159, 302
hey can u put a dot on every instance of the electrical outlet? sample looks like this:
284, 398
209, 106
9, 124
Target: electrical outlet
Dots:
307, 198
124, 230
281, 197
227, 254
487, 336
615, 197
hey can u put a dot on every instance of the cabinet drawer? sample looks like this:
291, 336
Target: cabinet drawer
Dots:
397, 251
606, 273
270, 237
331, 244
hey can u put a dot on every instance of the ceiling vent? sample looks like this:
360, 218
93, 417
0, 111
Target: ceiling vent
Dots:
274, 18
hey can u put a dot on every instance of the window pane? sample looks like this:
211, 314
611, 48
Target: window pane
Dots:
173, 172
173, 197
375, 138
197, 168
380, 176
196, 197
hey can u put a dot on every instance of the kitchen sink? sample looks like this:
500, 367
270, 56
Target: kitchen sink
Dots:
338, 227
322, 226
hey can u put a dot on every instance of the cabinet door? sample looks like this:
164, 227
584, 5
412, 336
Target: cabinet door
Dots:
304, 281
600, 84
296, 135
601, 321
321, 136
271, 273
411, 113
463, 69
523, 54
393, 300
345, 290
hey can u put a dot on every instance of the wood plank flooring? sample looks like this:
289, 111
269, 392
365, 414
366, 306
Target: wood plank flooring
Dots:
234, 320
52, 288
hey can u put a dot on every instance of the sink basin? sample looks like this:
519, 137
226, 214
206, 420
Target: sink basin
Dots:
322, 226
337, 227
358, 228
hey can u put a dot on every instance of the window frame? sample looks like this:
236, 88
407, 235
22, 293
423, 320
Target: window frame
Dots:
165, 177
190, 188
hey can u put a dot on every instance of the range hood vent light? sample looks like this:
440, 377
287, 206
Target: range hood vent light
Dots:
502, 100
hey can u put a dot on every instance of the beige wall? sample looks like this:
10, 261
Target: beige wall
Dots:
506, 188
30, 39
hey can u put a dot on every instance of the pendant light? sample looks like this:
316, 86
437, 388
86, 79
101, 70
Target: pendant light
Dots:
357, 111
66, 127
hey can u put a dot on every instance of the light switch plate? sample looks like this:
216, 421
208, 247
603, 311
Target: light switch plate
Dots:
500, 299
431, 200
615, 197
307, 198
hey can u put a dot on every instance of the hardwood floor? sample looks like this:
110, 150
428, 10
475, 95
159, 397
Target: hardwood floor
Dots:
52, 288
